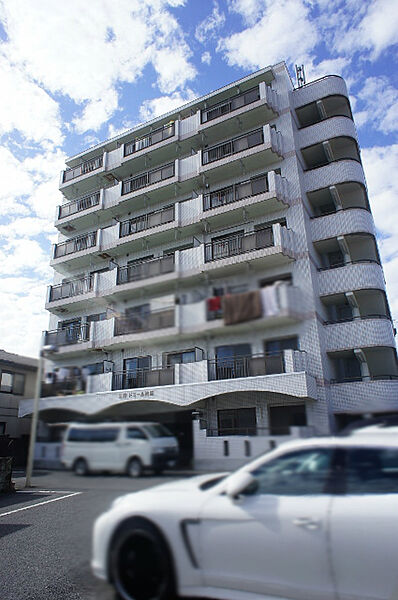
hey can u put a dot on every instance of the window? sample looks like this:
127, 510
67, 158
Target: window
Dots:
177, 358
371, 471
12, 383
281, 418
135, 371
134, 433
232, 361
295, 474
277, 346
237, 421
2, 427
96, 317
94, 369
157, 430
103, 434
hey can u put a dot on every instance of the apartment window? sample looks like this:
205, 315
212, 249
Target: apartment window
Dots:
178, 358
281, 418
96, 317
231, 361
287, 279
12, 383
2, 428
94, 369
278, 346
347, 368
237, 421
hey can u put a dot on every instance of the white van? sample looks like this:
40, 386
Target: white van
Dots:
118, 448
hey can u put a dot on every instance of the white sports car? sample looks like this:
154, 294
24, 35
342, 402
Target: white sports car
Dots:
312, 520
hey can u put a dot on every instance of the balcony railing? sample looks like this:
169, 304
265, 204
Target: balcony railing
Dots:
68, 289
245, 366
353, 379
159, 319
153, 219
139, 378
76, 206
227, 106
154, 176
86, 167
238, 243
163, 133
243, 142
70, 334
145, 269
234, 193
82, 242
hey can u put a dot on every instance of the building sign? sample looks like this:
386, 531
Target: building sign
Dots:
136, 395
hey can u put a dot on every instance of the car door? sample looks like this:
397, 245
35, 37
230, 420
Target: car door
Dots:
272, 540
364, 525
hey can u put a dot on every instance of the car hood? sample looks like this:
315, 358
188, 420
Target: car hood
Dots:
190, 485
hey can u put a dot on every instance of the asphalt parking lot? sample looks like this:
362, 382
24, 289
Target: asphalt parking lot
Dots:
45, 534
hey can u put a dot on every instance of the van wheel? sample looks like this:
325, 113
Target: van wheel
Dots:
81, 467
140, 564
134, 467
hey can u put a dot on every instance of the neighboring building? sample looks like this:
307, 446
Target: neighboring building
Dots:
220, 263
17, 381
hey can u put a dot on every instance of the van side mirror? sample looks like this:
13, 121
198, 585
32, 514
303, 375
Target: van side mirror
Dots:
239, 482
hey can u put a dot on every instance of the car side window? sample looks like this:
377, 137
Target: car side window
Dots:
371, 471
134, 433
302, 473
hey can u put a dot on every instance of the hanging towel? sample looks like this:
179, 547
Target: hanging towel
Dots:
238, 308
269, 301
214, 304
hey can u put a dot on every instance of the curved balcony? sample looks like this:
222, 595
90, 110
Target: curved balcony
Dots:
343, 222
352, 276
322, 131
336, 172
360, 396
316, 90
359, 333
333, 149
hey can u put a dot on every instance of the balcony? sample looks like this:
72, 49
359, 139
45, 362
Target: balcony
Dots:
331, 150
159, 319
238, 244
76, 244
325, 108
230, 105
246, 366
147, 221
69, 335
153, 138
82, 174
351, 276
361, 332
142, 378
236, 192
342, 222
145, 269
238, 144
76, 206
155, 176
69, 289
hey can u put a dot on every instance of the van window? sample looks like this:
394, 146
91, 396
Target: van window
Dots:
158, 430
133, 433
105, 434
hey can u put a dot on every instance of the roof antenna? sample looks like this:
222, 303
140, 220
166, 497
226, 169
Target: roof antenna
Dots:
300, 75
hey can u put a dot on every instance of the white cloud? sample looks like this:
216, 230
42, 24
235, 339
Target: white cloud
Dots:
15, 180
335, 66
164, 104
380, 168
379, 105
283, 31
209, 27
206, 58
70, 51
23, 256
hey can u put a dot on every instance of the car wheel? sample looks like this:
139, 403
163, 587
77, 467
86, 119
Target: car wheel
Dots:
134, 467
81, 467
140, 564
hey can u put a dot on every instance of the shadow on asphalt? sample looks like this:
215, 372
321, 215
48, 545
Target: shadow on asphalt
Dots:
7, 529
7, 500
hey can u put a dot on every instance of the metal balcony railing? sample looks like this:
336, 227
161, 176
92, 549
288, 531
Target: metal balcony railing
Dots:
152, 321
238, 243
147, 221
85, 167
145, 269
236, 192
148, 178
227, 106
76, 244
139, 378
245, 366
243, 142
69, 334
76, 206
68, 289
163, 133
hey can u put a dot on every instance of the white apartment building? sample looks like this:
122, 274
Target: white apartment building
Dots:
217, 270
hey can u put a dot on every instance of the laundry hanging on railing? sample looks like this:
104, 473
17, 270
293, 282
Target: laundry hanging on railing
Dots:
238, 308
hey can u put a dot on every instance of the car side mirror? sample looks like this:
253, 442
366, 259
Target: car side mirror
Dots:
239, 482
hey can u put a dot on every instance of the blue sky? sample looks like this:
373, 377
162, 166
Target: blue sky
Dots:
76, 73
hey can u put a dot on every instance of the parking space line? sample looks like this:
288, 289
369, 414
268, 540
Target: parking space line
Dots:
10, 512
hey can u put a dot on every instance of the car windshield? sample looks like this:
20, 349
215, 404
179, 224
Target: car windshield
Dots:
158, 430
